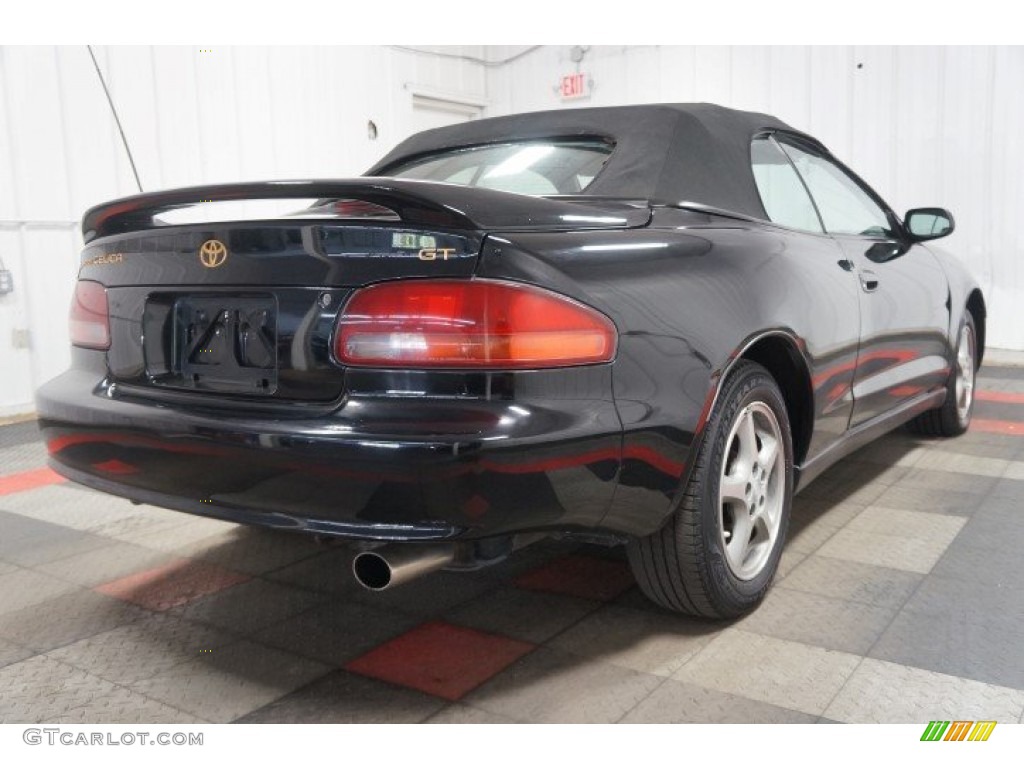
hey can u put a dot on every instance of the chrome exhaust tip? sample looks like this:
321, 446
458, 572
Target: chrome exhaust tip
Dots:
390, 566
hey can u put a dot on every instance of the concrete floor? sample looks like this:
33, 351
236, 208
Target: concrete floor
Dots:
898, 600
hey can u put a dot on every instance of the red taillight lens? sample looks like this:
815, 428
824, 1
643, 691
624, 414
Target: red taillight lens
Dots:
470, 324
89, 317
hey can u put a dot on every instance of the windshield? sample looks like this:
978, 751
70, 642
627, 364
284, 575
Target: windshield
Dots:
552, 167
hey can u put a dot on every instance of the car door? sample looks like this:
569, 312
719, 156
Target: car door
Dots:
903, 290
822, 297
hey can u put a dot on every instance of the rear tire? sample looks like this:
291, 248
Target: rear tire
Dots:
954, 416
718, 553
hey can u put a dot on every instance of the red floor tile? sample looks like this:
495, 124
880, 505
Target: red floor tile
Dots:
441, 659
997, 427
26, 481
592, 578
990, 396
168, 586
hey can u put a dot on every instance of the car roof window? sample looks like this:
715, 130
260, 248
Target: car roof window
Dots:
544, 167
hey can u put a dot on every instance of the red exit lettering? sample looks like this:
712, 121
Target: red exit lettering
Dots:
573, 86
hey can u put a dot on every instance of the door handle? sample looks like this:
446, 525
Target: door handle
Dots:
868, 280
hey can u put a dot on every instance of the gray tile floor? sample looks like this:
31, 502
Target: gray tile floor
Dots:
898, 600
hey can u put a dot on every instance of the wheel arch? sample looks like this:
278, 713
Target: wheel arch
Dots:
779, 353
976, 306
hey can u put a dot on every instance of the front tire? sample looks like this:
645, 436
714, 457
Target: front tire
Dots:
718, 553
954, 416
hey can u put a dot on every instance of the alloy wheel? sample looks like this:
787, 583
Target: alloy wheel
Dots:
751, 490
965, 373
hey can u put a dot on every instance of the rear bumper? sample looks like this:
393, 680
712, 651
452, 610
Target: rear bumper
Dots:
375, 468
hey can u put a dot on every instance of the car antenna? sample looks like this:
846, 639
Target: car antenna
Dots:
113, 109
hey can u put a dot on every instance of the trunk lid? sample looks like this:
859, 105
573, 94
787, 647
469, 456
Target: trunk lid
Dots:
234, 290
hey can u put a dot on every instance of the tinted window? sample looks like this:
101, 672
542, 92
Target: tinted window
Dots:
846, 209
784, 196
531, 168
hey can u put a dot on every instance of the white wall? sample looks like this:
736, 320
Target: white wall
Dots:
923, 125
191, 117
926, 126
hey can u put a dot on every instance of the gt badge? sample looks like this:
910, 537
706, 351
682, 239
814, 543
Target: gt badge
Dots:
430, 254
213, 253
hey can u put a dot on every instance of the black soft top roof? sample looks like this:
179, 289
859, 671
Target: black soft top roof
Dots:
665, 153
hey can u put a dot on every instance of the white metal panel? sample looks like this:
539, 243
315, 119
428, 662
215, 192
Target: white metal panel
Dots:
917, 126
8, 189
132, 80
643, 74
1003, 216
751, 77
50, 268
872, 152
296, 104
15, 364
176, 143
831, 91
92, 147
789, 73
217, 110
255, 113
615, 84
36, 143
713, 74
679, 81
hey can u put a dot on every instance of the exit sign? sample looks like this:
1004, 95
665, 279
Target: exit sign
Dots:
574, 86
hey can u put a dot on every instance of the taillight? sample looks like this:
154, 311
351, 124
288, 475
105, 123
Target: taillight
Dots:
469, 324
89, 317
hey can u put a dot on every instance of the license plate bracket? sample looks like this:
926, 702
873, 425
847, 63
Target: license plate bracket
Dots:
226, 343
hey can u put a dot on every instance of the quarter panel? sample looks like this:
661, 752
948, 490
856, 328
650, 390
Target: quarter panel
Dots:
687, 295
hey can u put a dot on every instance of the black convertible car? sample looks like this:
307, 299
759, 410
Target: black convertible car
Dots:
648, 325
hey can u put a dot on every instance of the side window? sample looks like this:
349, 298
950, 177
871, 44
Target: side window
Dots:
784, 196
845, 208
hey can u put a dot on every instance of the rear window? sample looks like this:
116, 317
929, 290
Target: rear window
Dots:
550, 167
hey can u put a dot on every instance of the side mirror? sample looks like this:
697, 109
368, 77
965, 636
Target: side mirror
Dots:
928, 223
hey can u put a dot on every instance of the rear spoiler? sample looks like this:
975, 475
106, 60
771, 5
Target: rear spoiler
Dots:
416, 203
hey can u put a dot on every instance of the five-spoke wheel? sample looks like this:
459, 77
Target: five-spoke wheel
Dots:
964, 387
718, 554
751, 490
953, 417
